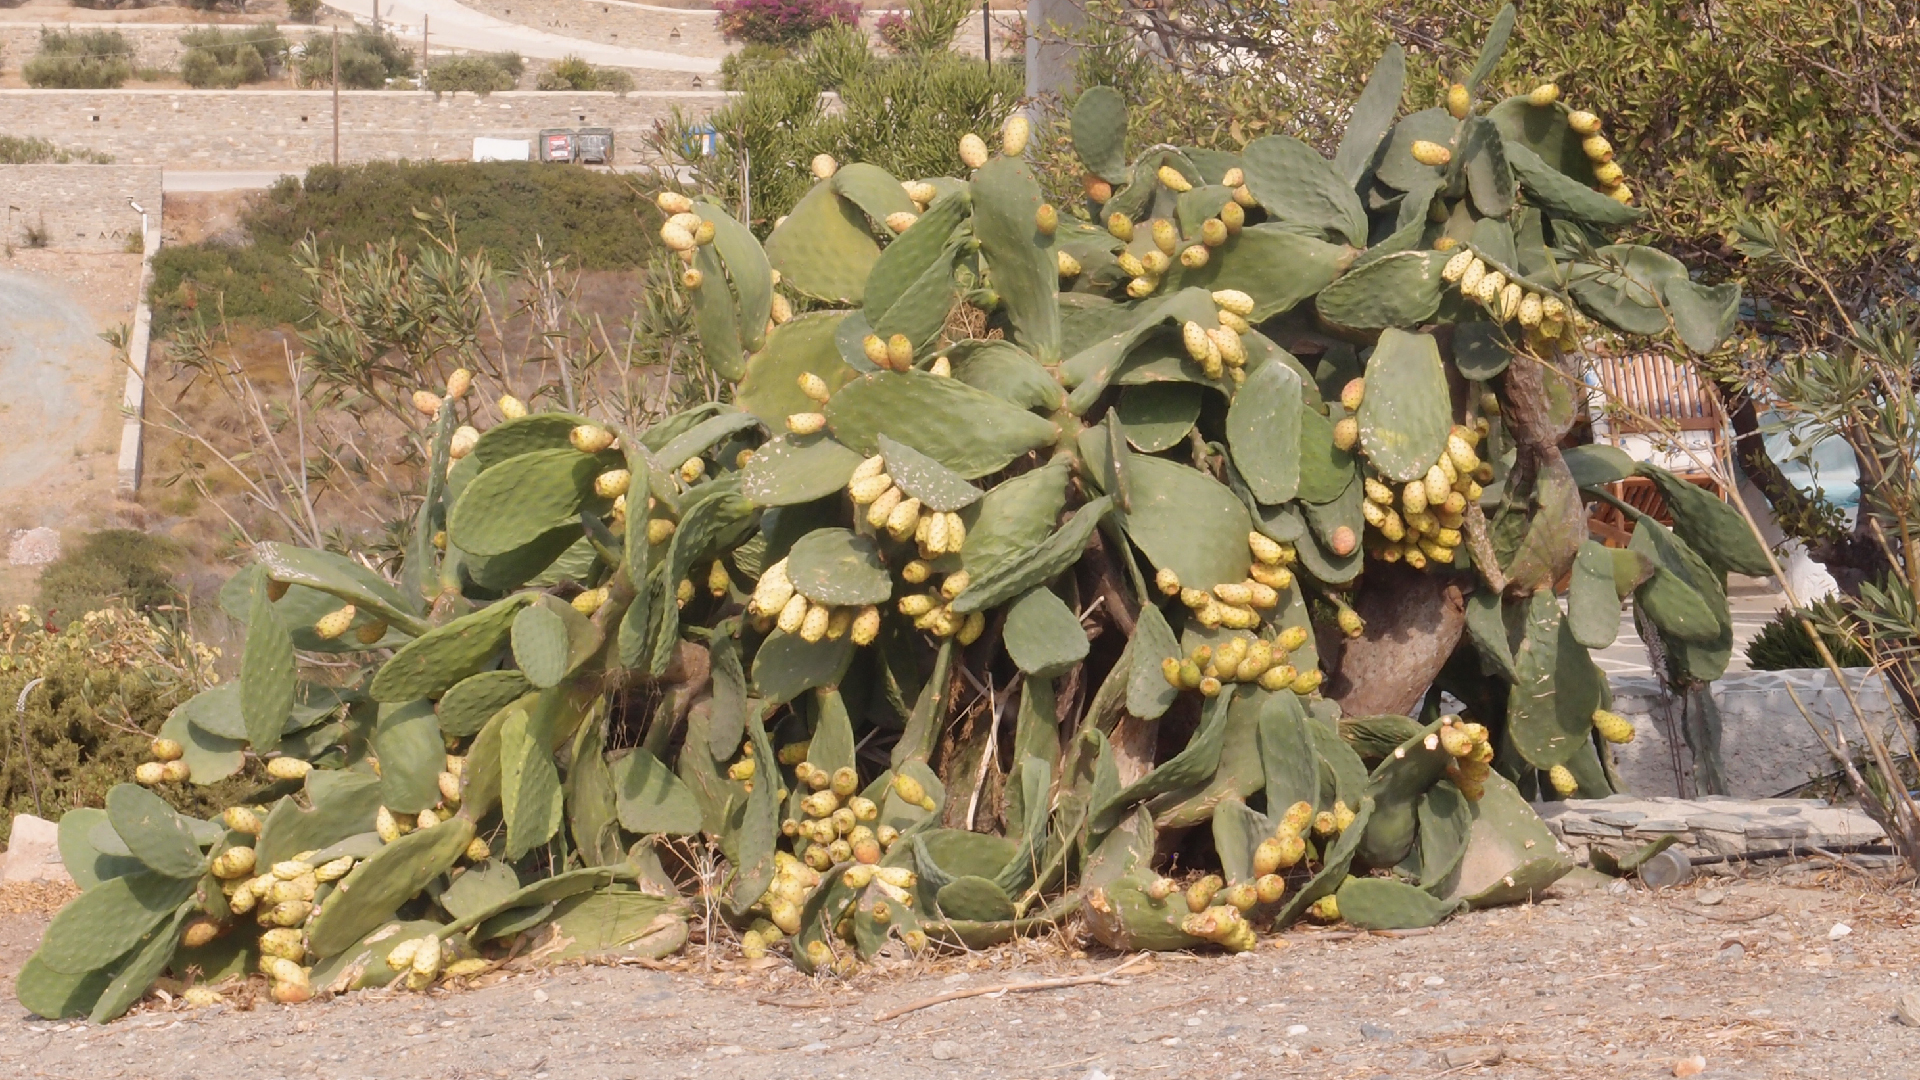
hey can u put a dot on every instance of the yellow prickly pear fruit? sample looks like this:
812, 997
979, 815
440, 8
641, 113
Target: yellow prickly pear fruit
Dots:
1583, 122
1170, 668
1278, 677
844, 783
1460, 452
1308, 682
1213, 231
1346, 433
511, 407
1232, 593
823, 166
1431, 153
920, 191
1232, 351
1013, 135
1266, 857
1343, 541
1445, 243
1459, 101
1511, 297
1130, 264
333, 623
839, 621
1470, 278
973, 150
201, 997
1120, 226
806, 423
1209, 686
1456, 267
1232, 218
1156, 263
1343, 816
1233, 300
1069, 266
1195, 257
1544, 94
1295, 820
199, 931
285, 943
1244, 196
426, 402
1046, 219
1352, 394
175, 772
385, 824
1609, 173
1612, 726
1562, 780
677, 236
1436, 486
1266, 549
1621, 193
875, 348
1261, 595
813, 626
1270, 888
1200, 894
909, 789
692, 277
904, 519
672, 202
1242, 897
1142, 287
1194, 337
1165, 236
334, 869
1325, 909
839, 851
288, 913
793, 614
1597, 148
1530, 310
165, 750
613, 483
813, 386
1161, 888
1489, 290
590, 438
1350, 622
742, 770
900, 221
955, 584
1173, 179
773, 590
241, 819
660, 530
899, 352
288, 768
1097, 189
235, 862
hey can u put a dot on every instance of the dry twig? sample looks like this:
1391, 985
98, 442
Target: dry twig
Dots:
1104, 978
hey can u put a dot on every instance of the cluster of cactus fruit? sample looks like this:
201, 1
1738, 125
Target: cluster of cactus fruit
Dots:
940, 639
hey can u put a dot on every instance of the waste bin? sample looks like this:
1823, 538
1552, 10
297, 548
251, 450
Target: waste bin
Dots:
556, 144
593, 146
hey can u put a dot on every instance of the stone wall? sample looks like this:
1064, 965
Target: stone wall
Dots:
81, 207
293, 129
1767, 746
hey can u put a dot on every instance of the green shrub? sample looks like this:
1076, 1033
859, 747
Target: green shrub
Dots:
368, 58
837, 55
80, 60
476, 74
228, 58
748, 60
32, 151
573, 73
303, 11
1783, 644
108, 681
111, 568
596, 221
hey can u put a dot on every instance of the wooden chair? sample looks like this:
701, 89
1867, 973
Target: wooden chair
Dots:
1656, 410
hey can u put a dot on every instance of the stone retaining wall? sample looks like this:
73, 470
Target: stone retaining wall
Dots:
1766, 744
293, 129
82, 207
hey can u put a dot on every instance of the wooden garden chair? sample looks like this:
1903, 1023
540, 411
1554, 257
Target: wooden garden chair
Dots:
1657, 410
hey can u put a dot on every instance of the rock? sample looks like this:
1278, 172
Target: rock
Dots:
1839, 931
1433, 981
1709, 897
1459, 1057
1376, 1033
1637, 922
33, 547
33, 852
1907, 1008
1732, 950
1692, 1066
1296, 1030
946, 1050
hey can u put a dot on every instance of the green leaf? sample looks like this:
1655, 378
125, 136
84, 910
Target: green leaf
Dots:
1554, 190
1043, 636
787, 666
1191, 766
1396, 166
1407, 411
747, 270
971, 432
375, 889
1480, 349
1158, 416
1270, 262
339, 576
794, 469
1099, 132
210, 757
1016, 516
1385, 904
1020, 258
109, 920
770, 389
346, 807
921, 477
433, 663
412, 756
266, 675
1402, 290
1288, 759
1037, 566
524, 435
155, 835
523, 498
1550, 712
1598, 464
825, 247
551, 640
1004, 370
1263, 430
133, 980
1593, 607
650, 799
57, 995
837, 567
1372, 115
1713, 529
529, 782
467, 707
1297, 186
1326, 471
1493, 48
1149, 694
1187, 522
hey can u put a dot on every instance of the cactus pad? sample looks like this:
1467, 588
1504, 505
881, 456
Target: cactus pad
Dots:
834, 566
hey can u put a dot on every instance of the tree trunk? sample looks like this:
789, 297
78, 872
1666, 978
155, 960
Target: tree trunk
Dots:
1414, 621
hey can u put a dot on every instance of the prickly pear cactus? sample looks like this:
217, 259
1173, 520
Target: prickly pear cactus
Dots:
947, 625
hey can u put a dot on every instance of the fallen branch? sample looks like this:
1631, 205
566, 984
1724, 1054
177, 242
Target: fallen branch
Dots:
1349, 935
1104, 978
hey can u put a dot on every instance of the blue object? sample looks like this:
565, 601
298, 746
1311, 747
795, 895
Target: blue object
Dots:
702, 141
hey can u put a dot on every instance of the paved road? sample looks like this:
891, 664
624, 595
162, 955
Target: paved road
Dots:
42, 336
457, 26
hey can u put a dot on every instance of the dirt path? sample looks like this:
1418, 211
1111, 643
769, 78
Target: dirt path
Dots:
1587, 985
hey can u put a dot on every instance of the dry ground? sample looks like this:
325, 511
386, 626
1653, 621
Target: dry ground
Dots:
1589, 984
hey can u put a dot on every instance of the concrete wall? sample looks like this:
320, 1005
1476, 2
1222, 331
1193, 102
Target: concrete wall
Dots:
292, 129
1767, 746
82, 207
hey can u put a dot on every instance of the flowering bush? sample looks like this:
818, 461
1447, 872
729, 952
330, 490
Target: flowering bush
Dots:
780, 22
893, 30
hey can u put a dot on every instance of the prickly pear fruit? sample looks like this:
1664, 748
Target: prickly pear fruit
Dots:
1346, 433
1562, 780
823, 166
334, 623
288, 768
1068, 265
1543, 95
973, 150
1014, 134
1431, 153
1612, 726
1200, 894
1583, 122
1459, 101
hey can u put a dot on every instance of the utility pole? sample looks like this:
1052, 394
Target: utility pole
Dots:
423, 51
376, 16
986, 30
336, 97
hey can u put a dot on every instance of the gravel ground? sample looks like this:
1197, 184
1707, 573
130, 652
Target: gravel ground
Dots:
1751, 974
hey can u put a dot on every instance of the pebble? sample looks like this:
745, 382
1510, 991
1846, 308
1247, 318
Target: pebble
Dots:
1296, 1031
1839, 931
1433, 980
1459, 1057
1709, 897
1733, 950
1907, 1008
1376, 1033
540, 996
946, 1050
1692, 1066
1636, 921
